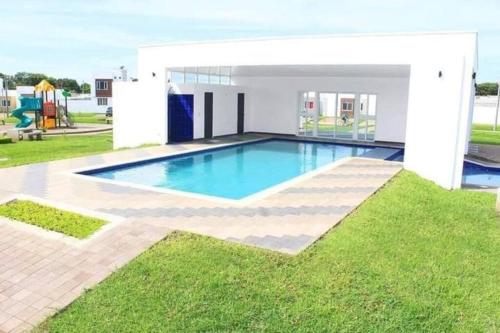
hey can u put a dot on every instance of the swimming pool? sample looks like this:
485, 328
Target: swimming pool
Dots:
473, 174
482, 176
236, 171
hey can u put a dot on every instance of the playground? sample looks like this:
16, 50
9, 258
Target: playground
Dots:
44, 113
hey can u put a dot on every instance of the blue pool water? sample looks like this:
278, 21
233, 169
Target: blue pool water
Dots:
475, 174
237, 171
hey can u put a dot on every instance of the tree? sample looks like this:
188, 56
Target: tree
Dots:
85, 88
9, 79
32, 79
68, 84
487, 89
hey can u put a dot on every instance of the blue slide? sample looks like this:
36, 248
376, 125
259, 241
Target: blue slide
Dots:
27, 104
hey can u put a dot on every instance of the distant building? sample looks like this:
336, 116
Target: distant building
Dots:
8, 98
25, 91
101, 88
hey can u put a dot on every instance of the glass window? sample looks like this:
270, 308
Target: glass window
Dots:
203, 78
102, 101
226, 80
346, 106
177, 77
101, 85
190, 77
214, 75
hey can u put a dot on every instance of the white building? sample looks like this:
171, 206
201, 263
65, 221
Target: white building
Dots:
416, 89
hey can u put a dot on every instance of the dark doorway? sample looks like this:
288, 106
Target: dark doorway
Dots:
180, 118
241, 113
209, 114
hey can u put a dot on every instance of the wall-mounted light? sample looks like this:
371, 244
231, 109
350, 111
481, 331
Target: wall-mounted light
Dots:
153, 74
474, 75
440, 75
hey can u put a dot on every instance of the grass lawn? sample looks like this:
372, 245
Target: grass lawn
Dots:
50, 218
88, 118
77, 117
484, 134
414, 257
486, 137
54, 148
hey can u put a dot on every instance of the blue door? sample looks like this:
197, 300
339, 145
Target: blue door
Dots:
180, 118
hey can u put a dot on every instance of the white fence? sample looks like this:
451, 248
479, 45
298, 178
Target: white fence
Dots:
87, 105
484, 110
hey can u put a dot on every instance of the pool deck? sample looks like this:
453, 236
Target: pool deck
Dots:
41, 271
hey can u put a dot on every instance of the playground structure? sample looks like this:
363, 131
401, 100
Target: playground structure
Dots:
48, 115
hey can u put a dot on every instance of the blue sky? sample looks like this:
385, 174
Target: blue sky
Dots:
77, 38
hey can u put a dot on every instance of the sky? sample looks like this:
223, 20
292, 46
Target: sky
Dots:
77, 39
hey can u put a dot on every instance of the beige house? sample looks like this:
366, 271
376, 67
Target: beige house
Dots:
8, 102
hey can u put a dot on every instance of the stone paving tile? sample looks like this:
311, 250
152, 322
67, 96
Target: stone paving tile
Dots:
40, 274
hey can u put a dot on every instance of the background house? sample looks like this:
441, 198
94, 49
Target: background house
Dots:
8, 100
101, 88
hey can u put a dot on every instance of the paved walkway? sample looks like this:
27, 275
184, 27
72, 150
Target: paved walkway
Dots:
41, 272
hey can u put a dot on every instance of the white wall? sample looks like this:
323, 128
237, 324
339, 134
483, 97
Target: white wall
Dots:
273, 101
87, 105
225, 112
139, 120
438, 116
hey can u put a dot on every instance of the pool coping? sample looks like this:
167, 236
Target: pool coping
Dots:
81, 172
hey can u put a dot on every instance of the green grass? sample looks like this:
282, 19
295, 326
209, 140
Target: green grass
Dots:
77, 117
486, 137
49, 218
88, 118
484, 127
413, 258
54, 148
11, 120
484, 134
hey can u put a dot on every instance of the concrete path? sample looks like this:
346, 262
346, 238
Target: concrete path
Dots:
41, 272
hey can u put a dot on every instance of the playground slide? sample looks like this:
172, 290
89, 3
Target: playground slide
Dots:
25, 121
62, 116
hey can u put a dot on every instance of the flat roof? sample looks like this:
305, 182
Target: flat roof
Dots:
318, 36
403, 48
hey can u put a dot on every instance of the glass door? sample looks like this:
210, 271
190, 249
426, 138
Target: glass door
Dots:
344, 116
326, 116
308, 114
367, 117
